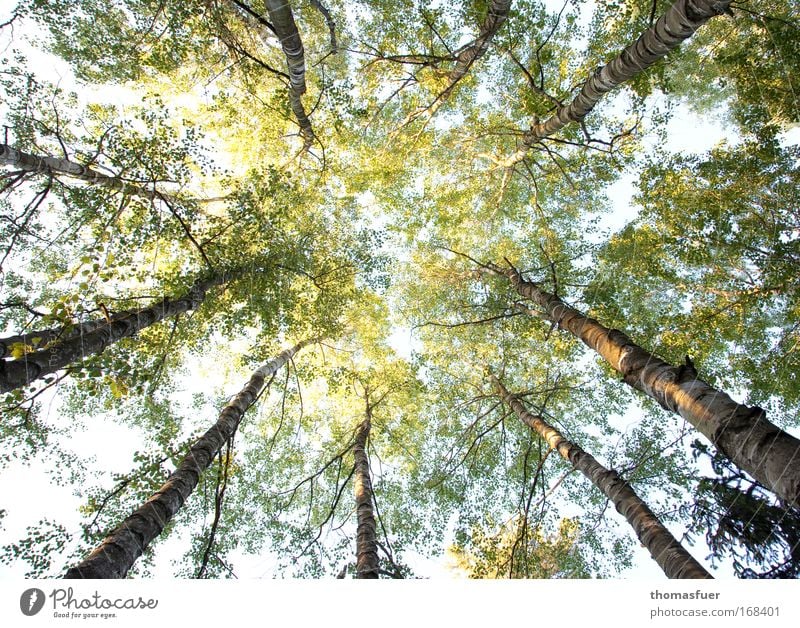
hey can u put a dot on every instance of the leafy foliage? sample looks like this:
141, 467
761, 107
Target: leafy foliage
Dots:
741, 519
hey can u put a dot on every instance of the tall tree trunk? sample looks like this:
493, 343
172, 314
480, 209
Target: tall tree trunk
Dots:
366, 534
43, 164
118, 551
496, 15
670, 555
285, 28
94, 336
679, 23
40, 339
37, 339
743, 434
282, 19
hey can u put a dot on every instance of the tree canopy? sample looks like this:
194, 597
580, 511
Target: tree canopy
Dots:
342, 289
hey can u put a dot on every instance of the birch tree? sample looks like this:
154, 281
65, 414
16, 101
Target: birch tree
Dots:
741, 433
115, 555
286, 30
466, 56
54, 166
679, 23
48, 357
366, 546
673, 559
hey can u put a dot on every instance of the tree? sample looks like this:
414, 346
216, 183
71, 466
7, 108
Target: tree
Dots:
115, 555
286, 30
54, 349
665, 550
366, 546
742, 434
53, 166
496, 15
679, 23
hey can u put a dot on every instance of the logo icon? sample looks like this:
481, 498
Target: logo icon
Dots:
31, 602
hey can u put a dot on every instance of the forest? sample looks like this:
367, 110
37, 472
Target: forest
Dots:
400, 289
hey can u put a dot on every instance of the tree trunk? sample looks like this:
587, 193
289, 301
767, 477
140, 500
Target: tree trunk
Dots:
743, 434
282, 19
670, 555
306, 130
118, 551
330, 23
679, 23
54, 166
285, 28
366, 535
94, 336
40, 339
496, 15
37, 339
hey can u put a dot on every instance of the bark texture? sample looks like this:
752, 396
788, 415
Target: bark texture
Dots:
38, 339
54, 166
118, 551
670, 555
679, 23
280, 13
96, 336
366, 533
282, 19
741, 433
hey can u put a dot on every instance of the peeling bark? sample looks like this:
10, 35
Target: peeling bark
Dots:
114, 557
96, 336
366, 534
743, 434
54, 166
282, 19
670, 555
679, 23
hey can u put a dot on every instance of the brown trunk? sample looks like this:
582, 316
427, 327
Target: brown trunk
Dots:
96, 336
366, 535
118, 551
743, 434
670, 555
679, 23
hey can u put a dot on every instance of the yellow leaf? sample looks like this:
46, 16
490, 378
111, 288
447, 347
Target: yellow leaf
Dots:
19, 349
